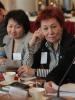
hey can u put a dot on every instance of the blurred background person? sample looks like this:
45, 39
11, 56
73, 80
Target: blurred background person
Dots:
49, 43
17, 25
2, 26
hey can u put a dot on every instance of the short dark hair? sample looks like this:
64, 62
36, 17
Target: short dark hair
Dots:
2, 6
51, 12
20, 17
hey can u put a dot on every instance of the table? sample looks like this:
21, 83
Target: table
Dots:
8, 97
11, 97
67, 98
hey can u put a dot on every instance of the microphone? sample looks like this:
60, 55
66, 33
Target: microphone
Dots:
62, 79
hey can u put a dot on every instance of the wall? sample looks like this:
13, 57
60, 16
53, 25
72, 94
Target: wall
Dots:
9, 4
67, 4
26, 5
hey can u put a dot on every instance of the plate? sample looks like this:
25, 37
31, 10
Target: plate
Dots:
4, 83
27, 78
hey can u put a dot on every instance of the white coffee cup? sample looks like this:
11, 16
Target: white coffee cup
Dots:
9, 76
37, 93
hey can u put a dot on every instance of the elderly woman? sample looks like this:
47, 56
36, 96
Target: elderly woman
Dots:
17, 24
53, 47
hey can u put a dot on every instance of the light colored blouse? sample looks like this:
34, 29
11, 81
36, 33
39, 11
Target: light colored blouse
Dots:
16, 57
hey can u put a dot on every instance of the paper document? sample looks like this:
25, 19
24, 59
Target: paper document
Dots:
70, 87
66, 90
63, 94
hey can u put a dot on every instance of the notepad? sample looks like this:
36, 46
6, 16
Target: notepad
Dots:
66, 90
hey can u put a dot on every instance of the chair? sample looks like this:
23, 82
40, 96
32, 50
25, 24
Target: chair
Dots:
70, 26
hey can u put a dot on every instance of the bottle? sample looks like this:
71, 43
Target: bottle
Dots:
2, 51
2, 56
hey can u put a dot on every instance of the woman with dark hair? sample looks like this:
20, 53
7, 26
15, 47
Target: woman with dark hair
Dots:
51, 49
20, 17
17, 24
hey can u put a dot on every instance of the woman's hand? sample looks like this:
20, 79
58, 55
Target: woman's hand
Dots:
50, 87
37, 36
26, 70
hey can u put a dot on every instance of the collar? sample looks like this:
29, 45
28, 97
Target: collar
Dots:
51, 47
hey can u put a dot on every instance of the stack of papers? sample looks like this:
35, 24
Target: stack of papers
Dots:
70, 87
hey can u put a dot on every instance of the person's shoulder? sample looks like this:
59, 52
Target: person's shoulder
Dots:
28, 36
6, 39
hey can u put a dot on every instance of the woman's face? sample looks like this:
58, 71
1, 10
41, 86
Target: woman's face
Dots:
14, 30
51, 30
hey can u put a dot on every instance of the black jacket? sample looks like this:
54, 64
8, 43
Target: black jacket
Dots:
67, 53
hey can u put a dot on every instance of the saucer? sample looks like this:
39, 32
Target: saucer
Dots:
4, 83
27, 78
